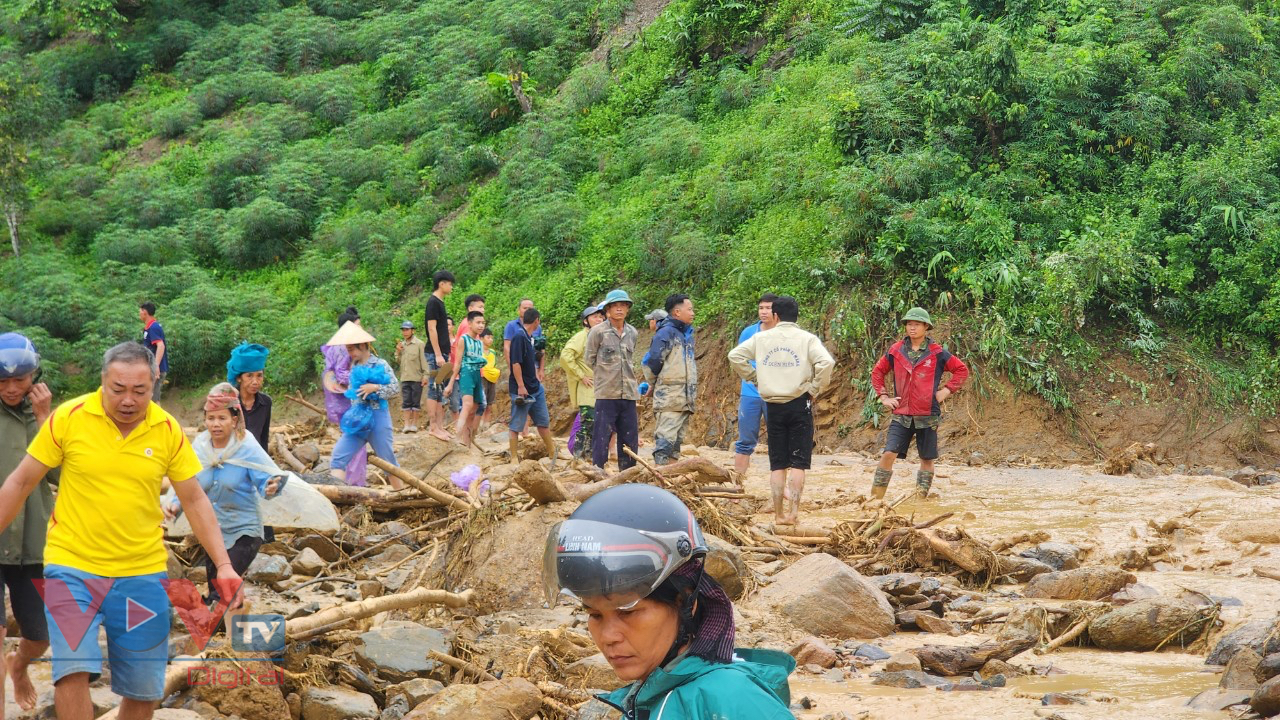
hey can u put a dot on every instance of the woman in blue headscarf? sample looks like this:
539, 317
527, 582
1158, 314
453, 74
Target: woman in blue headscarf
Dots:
245, 371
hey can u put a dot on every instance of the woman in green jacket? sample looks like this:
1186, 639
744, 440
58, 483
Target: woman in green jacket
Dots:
633, 556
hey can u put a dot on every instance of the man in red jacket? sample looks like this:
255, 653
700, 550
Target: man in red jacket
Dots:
917, 364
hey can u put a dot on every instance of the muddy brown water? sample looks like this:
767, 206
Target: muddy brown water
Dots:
1079, 505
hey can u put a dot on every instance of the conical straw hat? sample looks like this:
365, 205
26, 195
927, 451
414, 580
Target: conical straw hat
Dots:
350, 334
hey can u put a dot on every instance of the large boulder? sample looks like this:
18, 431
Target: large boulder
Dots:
504, 565
1266, 699
1240, 672
506, 699
725, 564
1086, 583
1146, 624
823, 596
1261, 530
335, 703
397, 651
1261, 636
258, 699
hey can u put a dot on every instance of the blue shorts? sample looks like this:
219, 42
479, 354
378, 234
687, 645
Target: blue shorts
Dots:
751, 411
135, 612
536, 411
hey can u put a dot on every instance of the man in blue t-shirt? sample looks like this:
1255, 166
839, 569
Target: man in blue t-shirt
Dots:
153, 340
528, 397
750, 406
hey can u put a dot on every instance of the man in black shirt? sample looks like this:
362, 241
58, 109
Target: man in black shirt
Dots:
528, 397
437, 350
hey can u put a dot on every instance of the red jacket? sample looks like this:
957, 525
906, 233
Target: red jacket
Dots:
917, 384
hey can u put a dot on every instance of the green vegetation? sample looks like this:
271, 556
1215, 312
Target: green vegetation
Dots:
1056, 178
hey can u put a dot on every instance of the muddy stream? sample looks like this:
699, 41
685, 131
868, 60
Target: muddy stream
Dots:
1103, 514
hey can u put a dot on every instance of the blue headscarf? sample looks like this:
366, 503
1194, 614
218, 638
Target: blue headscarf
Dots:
246, 358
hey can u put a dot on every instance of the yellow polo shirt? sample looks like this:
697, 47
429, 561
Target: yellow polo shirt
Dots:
107, 517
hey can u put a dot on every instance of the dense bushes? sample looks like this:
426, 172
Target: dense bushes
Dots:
1041, 174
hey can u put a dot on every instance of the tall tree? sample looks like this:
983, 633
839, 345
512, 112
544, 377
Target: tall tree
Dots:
22, 107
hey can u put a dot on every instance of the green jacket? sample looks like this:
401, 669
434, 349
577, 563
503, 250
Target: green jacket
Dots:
22, 543
691, 688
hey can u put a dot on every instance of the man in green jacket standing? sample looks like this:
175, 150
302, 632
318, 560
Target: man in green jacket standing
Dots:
24, 405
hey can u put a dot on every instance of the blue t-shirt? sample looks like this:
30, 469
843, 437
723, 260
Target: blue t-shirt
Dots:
749, 389
514, 329
522, 352
152, 335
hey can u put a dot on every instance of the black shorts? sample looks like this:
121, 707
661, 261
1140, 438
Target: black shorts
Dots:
28, 607
411, 395
490, 392
790, 427
900, 439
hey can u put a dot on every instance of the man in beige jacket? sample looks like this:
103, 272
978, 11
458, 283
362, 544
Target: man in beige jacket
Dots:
791, 368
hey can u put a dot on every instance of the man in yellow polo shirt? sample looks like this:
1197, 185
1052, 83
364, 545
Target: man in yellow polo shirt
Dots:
104, 556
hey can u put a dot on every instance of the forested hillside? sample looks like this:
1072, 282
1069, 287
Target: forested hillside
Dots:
1058, 180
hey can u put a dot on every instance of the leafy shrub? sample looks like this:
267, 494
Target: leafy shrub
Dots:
175, 120
263, 232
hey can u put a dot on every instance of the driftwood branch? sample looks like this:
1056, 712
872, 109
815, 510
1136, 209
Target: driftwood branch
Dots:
287, 454
373, 606
307, 405
538, 483
425, 488
467, 668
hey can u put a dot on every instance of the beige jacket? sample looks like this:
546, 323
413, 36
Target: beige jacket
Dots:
580, 394
789, 363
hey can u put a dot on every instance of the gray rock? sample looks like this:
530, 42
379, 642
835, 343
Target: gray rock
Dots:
334, 703
1268, 668
397, 651
308, 563
395, 709
1022, 569
908, 679
267, 569
1239, 674
1057, 555
1086, 583
1145, 469
596, 710
1145, 624
823, 596
492, 700
834, 675
898, 583
1217, 699
871, 652
1266, 699
322, 546
1133, 593
1266, 479
416, 691
1063, 698
1253, 635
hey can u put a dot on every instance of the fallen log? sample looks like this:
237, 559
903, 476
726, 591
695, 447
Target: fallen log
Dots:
538, 483
701, 468
373, 497
425, 488
964, 659
290, 459
804, 539
373, 606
